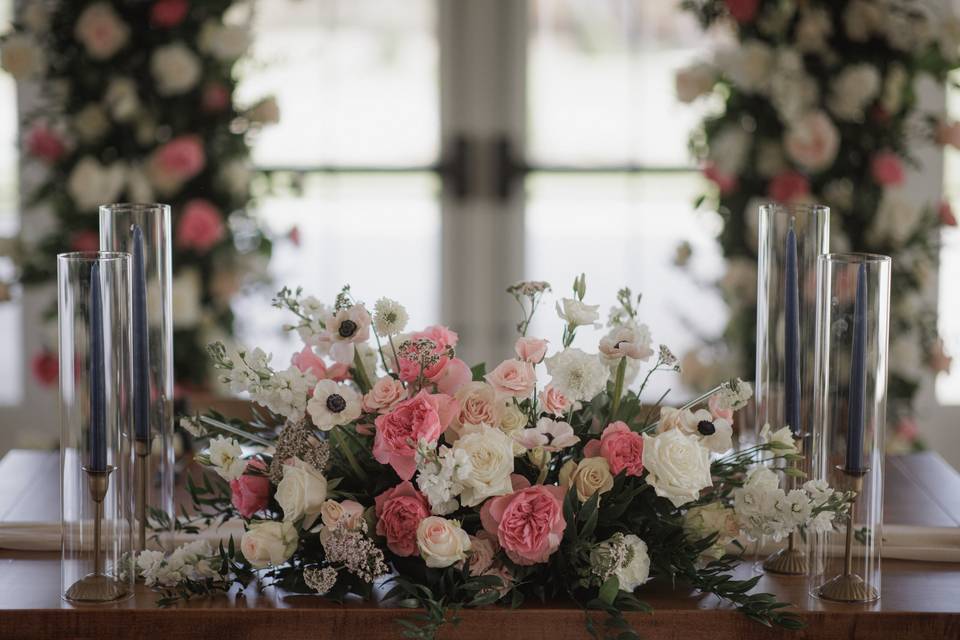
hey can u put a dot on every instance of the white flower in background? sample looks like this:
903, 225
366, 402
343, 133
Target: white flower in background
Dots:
862, 19
442, 542
226, 458
812, 30
22, 57
224, 42
441, 474
90, 124
175, 69
906, 356
193, 426
852, 90
266, 111
301, 493
770, 161
491, 460
191, 561
628, 341
739, 282
812, 141
894, 88
839, 194
269, 543
694, 81
782, 437
334, 404
749, 66
138, 185
822, 522
101, 31
793, 91
896, 219
389, 317
149, 564
549, 435
122, 100
91, 183
728, 149
577, 375
677, 466
818, 490
795, 507
36, 16
578, 314
185, 292
235, 175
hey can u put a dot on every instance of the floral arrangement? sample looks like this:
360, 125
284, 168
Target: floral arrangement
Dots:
396, 463
134, 103
819, 104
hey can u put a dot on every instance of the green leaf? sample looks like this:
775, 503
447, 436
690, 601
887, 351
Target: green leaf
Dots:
478, 371
608, 592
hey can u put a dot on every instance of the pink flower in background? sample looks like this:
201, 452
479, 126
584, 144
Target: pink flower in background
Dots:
788, 186
45, 367
85, 241
249, 493
945, 211
45, 143
622, 449
201, 226
907, 428
182, 158
726, 183
215, 98
513, 377
886, 169
168, 13
948, 133
742, 10
309, 362
399, 512
423, 417
528, 523
294, 235
725, 413
531, 349
812, 141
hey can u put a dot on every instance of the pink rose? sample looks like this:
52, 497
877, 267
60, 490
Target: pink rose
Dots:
886, 169
45, 143
85, 241
553, 402
385, 394
945, 212
168, 13
215, 97
513, 378
788, 186
201, 226
528, 523
531, 349
399, 512
907, 428
713, 404
477, 403
46, 368
726, 183
454, 375
622, 449
948, 134
812, 141
444, 339
423, 417
742, 10
250, 492
309, 362
175, 162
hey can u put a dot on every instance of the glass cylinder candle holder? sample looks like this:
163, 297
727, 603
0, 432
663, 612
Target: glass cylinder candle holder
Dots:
95, 350
143, 231
791, 238
849, 418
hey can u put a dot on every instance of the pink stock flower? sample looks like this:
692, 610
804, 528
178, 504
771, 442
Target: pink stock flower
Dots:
622, 449
399, 512
46, 368
423, 417
886, 169
45, 143
531, 350
742, 10
945, 211
528, 523
514, 378
309, 362
215, 97
201, 226
385, 394
554, 402
713, 404
726, 183
250, 493
788, 186
168, 13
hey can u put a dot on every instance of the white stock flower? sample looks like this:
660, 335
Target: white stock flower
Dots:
782, 438
286, 393
578, 314
677, 466
269, 543
226, 42
734, 395
441, 476
822, 522
301, 493
852, 90
226, 458
22, 57
101, 31
762, 478
442, 542
175, 69
577, 375
389, 317
334, 404
491, 462
91, 183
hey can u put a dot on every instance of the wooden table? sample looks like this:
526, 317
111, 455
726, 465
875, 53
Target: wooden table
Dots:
919, 600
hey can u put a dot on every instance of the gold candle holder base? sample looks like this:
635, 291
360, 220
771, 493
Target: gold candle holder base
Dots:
848, 588
96, 588
787, 562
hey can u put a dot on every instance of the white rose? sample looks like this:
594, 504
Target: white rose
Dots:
226, 457
793, 91
269, 543
728, 149
749, 66
22, 57
121, 99
301, 493
694, 81
90, 183
442, 542
491, 456
185, 294
636, 569
906, 356
175, 69
578, 314
224, 42
896, 219
853, 90
770, 162
101, 31
678, 467
91, 123
812, 141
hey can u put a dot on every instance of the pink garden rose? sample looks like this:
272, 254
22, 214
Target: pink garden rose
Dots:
528, 523
168, 13
788, 186
886, 169
742, 10
399, 512
531, 350
812, 141
45, 143
553, 402
513, 378
175, 162
423, 417
249, 493
444, 339
385, 394
309, 362
622, 449
201, 226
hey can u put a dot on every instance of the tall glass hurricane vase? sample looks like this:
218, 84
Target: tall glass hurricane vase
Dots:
95, 350
143, 231
791, 239
849, 417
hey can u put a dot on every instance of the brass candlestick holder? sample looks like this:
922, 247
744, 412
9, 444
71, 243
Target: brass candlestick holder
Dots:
97, 586
792, 560
142, 450
848, 586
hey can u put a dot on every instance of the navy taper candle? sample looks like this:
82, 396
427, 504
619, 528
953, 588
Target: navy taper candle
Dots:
792, 336
97, 384
141, 345
858, 376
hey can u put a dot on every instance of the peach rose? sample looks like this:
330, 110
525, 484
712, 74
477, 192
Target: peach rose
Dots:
483, 550
423, 417
528, 523
454, 375
249, 493
399, 512
589, 476
348, 513
478, 404
531, 350
513, 378
812, 141
553, 402
385, 394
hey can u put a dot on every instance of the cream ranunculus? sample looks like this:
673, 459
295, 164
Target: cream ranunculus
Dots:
590, 476
491, 456
301, 493
442, 542
175, 68
269, 543
678, 466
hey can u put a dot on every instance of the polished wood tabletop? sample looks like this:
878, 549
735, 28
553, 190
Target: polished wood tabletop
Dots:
919, 599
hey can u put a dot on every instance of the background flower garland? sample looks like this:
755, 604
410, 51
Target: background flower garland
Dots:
135, 104
819, 104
